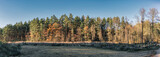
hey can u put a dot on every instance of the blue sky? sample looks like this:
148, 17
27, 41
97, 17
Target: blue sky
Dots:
12, 11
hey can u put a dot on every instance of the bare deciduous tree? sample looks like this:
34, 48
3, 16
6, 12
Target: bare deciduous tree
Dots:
142, 14
153, 13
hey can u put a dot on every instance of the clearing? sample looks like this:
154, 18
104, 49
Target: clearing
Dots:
76, 51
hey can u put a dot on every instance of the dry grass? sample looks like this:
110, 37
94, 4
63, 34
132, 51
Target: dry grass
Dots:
58, 42
75, 51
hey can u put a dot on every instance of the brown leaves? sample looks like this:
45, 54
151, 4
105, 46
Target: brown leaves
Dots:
54, 31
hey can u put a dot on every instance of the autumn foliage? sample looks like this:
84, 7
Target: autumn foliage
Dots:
79, 29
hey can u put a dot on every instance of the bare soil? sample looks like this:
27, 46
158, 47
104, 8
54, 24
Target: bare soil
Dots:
76, 51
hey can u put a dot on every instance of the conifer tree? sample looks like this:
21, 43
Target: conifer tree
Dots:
99, 29
66, 21
1, 34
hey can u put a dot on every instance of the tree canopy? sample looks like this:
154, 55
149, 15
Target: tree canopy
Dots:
84, 28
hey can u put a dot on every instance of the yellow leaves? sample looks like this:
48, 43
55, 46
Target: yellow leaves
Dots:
54, 30
86, 29
49, 25
54, 26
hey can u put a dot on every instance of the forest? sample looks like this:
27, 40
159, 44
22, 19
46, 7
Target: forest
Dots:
85, 28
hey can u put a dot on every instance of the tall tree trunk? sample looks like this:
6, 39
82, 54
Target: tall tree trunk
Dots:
72, 34
93, 32
142, 31
100, 35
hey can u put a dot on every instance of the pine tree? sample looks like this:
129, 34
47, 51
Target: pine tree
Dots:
116, 22
51, 20
122, 27
46, 22
110, 30
104, 22
99, 29
66, 21
1, 34
86, 29
55, 19
8, 33
34, 30
41, 29
93, 29
82, 21
26, 30
70, 24
86, 21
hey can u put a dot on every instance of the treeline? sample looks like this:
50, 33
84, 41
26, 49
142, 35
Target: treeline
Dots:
74, 29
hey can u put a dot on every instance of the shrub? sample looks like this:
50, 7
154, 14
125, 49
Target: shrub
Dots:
7, 50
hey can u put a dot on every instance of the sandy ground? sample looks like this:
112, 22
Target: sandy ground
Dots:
75, 51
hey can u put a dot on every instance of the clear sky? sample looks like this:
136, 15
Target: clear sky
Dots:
12, 11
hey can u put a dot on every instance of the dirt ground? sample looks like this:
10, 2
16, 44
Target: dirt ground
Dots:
75, 51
